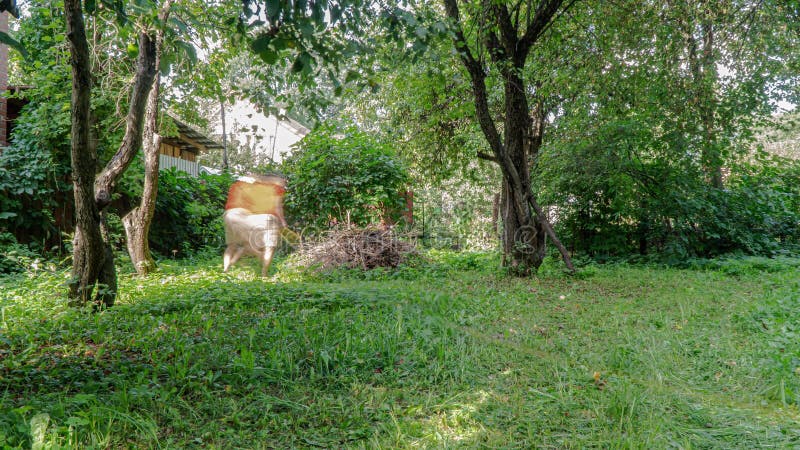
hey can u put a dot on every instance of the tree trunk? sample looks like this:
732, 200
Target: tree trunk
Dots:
93, 271
523, 236
89, 251
703, 67
524, 223
134, 123
712, 159
137, 222
224, 135
496, 214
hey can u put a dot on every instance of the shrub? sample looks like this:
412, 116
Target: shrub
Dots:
343, 176
15, 257
758, 213
34, 176
188, 215
612, 201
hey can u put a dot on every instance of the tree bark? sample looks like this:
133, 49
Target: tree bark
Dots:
712, 159
137, 222
524, 224
93, 271
88, 248
523, 237
132, 140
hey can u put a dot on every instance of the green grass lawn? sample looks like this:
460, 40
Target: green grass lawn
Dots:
447, 352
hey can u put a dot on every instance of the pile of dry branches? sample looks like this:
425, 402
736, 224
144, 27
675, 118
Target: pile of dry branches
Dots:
365, 248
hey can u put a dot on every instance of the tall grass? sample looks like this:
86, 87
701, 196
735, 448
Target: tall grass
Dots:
444, 352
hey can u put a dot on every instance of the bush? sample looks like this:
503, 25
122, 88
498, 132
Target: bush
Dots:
35, 184
188, 215
757, 214
34, 175
15, 257
615, 196
343, 176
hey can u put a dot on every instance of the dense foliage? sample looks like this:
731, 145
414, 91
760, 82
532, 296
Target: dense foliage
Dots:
35, 183
34, 175
612, 200
655, 153
342, 175
645, 105
653, 116
188, 215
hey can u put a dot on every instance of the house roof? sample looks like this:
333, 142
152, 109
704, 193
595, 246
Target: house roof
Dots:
192, 134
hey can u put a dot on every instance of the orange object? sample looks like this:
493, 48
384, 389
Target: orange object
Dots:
258, 195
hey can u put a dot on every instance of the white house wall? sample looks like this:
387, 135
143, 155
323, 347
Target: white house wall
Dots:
268, 136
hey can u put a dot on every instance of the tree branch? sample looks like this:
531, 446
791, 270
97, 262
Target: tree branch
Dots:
537, 133
478, 77
541, 19
488, 157
151, 139
550, 232
143, 82
507, 30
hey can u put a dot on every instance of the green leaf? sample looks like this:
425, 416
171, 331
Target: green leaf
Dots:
269, 56
302, 63
133, 50
351, 76
179, 25
307, 28
261, 46
118, 6
336, 14
273, 9
188, 50
165, 64
279, 44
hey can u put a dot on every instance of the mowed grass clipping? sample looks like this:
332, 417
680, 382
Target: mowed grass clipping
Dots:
445, 352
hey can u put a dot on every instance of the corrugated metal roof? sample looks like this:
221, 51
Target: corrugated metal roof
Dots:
195, 135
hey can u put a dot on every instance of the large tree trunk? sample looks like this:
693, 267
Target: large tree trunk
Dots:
523, 236
524, 222
89, 249
93, 261
523, 243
